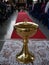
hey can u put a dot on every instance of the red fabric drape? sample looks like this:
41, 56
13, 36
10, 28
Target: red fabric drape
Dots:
22, 16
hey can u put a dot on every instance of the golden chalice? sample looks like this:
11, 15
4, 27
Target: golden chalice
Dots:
25, 30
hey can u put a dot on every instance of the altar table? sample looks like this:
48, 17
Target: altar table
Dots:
40, 49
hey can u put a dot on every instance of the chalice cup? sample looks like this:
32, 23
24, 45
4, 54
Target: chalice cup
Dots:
25, 30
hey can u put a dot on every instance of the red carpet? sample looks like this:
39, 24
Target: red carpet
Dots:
22, 16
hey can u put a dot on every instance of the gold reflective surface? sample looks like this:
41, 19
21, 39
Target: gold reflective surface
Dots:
25, 30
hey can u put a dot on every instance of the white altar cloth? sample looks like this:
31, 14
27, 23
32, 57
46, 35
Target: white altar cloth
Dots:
40, 48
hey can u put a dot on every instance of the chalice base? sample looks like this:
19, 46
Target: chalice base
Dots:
25, 57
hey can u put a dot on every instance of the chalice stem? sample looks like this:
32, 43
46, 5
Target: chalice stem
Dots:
25, 46
24, 56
